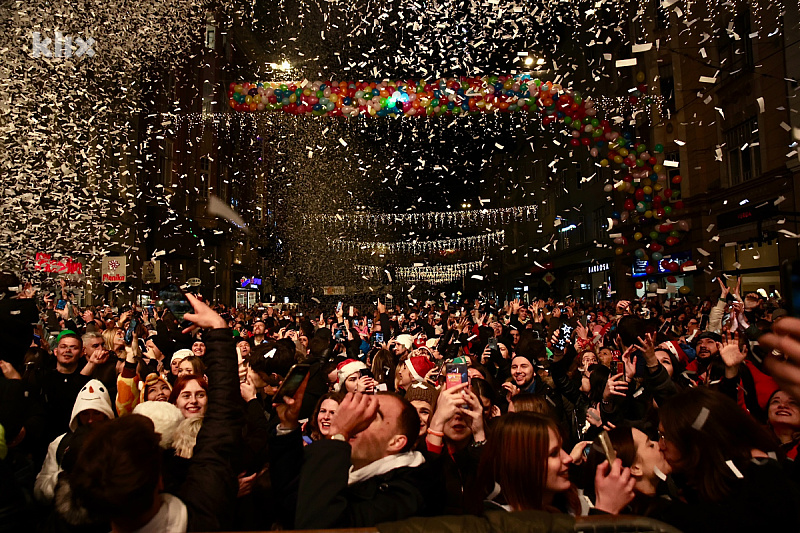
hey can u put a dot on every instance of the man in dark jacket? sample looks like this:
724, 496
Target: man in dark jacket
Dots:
365, 472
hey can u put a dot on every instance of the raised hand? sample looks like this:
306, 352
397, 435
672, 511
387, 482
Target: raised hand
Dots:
203, 317
615, 387
355, 414
783, 363
613, 486
731, 355
289, 409
723, 288
647, 345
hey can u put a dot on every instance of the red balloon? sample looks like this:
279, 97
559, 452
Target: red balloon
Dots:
686, 265
629, 205
672, 241
676, 179
639, 285
672, 279
678, 204
575, 142
667, 193
650, 269
655, 247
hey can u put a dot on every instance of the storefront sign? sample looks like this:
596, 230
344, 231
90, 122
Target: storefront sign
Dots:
114, 269
747, 214
64, 265
151, 272
333, 290
598, 268
255, 282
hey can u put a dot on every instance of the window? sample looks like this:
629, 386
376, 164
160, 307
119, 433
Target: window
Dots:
736, 46
167, 162
667, 84
205, 174
208, 97
573, 231
742, 150
600, 223
210, 39
673, 171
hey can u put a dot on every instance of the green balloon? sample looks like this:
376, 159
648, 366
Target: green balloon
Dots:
568, 120
658, 148
654, 235
641, 148
674, 233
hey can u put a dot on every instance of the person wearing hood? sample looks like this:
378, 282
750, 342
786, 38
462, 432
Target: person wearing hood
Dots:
92, 405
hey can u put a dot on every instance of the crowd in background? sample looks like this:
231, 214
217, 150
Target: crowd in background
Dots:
138, 419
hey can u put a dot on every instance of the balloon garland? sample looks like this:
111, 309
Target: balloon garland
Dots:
644, 177
439, 219
417, 247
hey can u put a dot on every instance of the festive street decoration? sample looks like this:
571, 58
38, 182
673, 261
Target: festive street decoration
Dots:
438, 219
418, 247
435, 274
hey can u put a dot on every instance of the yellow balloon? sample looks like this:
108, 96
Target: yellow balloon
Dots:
648, 214
623, 152
637, 235
647, 189
292, 98
604, 162
658, 187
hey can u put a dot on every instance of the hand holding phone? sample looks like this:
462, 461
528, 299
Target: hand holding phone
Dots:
291, 384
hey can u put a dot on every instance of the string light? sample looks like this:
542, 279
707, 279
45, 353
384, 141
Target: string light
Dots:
417, 247
499, 215
434, 274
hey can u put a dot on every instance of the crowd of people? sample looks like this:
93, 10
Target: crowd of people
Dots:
140, 419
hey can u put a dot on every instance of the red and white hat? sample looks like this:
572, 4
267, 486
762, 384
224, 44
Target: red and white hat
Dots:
347, 368
419, 366
676, 350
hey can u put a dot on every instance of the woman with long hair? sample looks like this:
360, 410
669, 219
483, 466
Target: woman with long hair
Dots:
524, 465
725, 463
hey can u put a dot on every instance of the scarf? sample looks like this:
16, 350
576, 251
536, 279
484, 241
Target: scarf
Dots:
384, 465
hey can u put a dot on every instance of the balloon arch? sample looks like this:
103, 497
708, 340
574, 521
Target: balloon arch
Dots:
649, 199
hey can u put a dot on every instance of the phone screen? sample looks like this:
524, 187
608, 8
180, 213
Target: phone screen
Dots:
292, 382
61, 304
175, 301
456, 374
131, 329
378, 337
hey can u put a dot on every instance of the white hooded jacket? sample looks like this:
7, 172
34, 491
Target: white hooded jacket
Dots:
93, 395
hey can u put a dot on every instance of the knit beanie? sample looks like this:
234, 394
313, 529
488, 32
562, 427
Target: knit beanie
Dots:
406, 340
422, 391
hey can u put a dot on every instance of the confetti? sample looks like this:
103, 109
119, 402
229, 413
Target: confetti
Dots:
700, 421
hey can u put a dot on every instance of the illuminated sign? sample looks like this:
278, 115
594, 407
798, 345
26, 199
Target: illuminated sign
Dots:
250, 281
599, 268
66, 265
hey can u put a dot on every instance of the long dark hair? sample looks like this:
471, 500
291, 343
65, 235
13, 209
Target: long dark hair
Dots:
515, 457
597, 381
708, 429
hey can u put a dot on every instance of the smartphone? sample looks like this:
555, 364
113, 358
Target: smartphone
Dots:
378, 337
608, 449
175, 300
292, 382
369, 323
338, 307
61, 304
564, 336
619, 367
131, 330
455, 374
355, 322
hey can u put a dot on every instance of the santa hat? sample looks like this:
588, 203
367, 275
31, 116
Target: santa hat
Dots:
93, 395
675, 349
419, 366
347, 368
